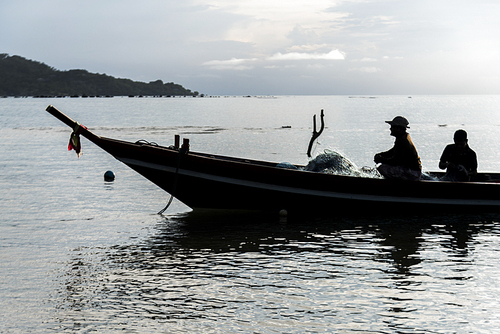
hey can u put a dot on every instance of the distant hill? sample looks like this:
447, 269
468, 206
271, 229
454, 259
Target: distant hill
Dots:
23, 77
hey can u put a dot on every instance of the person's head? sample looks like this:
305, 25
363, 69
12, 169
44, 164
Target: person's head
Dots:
399, 124
460, 138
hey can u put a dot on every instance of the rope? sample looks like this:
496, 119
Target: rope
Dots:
166, 207
174, 187
145, 142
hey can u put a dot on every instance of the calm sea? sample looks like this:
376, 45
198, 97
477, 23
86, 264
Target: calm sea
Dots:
78, 254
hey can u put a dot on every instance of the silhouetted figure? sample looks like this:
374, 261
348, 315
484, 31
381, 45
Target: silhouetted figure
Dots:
402, 160
459, 160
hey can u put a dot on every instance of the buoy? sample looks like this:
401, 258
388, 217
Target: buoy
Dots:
283, 216
109, 176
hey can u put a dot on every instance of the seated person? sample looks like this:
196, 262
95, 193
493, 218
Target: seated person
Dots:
459, 160
402, 160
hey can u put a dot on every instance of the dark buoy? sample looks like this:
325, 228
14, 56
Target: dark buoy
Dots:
283, 216
109, 176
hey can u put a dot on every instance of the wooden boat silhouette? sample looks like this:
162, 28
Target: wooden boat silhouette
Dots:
202, 180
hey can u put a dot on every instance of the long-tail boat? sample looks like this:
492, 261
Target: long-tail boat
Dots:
203, 180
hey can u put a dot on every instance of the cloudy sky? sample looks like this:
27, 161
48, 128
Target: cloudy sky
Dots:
267, 47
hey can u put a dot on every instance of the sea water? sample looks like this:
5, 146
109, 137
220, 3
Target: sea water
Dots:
78, 254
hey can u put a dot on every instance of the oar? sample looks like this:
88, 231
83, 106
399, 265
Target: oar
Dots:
315, 134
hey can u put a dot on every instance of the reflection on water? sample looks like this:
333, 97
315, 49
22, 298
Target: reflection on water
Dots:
81, 255
226, 272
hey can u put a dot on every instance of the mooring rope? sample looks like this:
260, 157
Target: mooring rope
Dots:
174, 186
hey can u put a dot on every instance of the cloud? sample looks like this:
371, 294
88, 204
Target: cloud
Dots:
308, 47
332, 55
248, 63
231, 64
210, 45
367, 69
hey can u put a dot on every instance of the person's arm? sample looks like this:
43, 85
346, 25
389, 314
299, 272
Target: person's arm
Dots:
382, 157
473, 170
443, 164
443, 161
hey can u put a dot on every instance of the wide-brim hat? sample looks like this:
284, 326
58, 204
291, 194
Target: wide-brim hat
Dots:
399, 121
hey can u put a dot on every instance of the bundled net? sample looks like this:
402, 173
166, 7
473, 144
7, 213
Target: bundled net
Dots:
332, 162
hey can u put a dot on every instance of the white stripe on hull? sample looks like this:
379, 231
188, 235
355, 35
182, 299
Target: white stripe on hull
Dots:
312, 192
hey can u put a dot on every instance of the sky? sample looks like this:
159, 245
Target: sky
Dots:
267, 47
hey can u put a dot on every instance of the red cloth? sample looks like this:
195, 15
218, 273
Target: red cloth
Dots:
74, 140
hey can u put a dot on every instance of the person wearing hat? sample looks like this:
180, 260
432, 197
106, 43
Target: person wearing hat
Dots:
402, 160
459, 160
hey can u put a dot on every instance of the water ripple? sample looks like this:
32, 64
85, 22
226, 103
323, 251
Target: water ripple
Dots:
324, 277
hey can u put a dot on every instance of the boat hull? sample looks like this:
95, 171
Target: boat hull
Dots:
239, 186
218, 182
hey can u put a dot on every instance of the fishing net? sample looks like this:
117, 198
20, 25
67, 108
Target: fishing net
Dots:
331, 162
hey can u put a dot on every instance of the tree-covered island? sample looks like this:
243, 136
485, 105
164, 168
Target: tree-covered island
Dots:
23, 77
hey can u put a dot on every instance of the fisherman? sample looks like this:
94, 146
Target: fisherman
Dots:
402, 160
459, 160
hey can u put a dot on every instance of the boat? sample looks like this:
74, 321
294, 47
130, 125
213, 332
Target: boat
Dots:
210, 181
